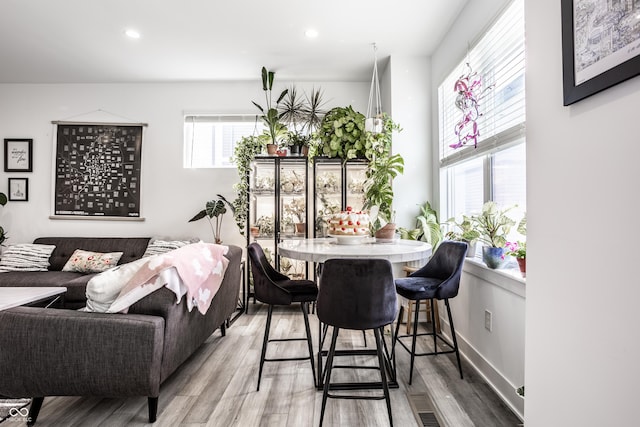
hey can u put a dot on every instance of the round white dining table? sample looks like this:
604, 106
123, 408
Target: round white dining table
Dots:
321, 249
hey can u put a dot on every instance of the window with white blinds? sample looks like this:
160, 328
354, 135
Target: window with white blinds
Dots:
209, 140
496, 169
498, 58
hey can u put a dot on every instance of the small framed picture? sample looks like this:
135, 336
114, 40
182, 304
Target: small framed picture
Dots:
18, 155
19, 189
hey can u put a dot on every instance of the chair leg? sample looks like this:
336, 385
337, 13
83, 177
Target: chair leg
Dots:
409, 305
383, 374
327, 380
413, 340
264, 344
34, 410
305, 307
152, 402
433, 325
453, 337
395, 337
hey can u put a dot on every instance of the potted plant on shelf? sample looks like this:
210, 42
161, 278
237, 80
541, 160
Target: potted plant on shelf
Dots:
302, 115
494, 226
342, 134
297, 208
215, 208
270, 115
464, 231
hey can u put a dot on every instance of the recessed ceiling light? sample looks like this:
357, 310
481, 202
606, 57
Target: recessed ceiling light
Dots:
311, 33
131, 33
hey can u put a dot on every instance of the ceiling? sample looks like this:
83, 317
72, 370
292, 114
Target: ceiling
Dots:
83, 41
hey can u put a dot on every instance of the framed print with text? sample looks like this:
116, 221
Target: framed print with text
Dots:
600, 45
18, 155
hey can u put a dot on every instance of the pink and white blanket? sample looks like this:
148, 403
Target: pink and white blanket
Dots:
196, 270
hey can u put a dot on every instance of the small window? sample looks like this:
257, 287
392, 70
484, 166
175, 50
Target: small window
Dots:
210, 140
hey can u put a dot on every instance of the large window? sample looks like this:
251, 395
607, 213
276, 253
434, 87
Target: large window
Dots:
210, 140
496, 168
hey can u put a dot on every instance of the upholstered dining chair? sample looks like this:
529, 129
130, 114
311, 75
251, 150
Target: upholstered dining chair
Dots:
357, 294
439, 279
274, 288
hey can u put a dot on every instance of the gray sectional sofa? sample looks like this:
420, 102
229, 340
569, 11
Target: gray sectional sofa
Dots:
63, 352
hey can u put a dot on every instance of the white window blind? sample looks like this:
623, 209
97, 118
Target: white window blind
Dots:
209, 140
499, 59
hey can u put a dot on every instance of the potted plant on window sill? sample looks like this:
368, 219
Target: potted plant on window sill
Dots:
494, 226
464, 231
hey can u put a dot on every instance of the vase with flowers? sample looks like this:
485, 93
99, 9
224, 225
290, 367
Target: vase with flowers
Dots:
518, 250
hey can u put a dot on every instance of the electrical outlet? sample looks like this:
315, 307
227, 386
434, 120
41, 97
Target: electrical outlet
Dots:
488, 320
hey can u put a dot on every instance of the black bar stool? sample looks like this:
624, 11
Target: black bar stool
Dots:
274, 288
357, 294
439, 279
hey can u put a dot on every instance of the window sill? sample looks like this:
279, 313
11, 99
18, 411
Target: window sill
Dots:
509, 279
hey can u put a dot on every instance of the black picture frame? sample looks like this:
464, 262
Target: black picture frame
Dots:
18, 189
18, 155
97, 171
575, 91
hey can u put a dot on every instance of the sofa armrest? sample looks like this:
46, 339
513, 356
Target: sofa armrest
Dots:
50, 352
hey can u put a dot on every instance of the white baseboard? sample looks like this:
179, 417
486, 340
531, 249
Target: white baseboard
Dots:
496, 380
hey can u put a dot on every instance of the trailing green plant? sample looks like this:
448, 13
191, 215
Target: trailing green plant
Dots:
428, 227
246, 150
341, 134
493, 224
382, 168
270, 115
214, 212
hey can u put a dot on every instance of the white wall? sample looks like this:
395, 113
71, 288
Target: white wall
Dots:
499, 355
582, 196
408, 96
170, 195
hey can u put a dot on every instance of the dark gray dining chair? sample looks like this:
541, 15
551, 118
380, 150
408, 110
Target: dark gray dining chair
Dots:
439, 279
357, 294
274, 288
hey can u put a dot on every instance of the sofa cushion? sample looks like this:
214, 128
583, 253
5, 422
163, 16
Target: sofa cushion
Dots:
91, 262
159, 246
26, 257
131, 247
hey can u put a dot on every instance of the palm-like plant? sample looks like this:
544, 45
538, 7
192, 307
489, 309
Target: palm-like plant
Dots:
215, 208
270, 115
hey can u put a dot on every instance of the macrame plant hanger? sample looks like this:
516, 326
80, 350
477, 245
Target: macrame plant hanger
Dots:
373, 122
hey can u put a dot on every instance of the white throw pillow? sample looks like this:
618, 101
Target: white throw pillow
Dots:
26, 257
104, 288
91, 262
159, 246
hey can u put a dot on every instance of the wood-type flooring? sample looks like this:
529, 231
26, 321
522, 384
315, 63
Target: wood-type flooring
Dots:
216, 386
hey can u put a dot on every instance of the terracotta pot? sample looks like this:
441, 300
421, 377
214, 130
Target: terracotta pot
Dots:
305, 150
301, 227
522, 263
272, 149
386, 232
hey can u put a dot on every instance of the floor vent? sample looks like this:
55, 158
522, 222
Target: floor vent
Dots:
423, 409
428, 419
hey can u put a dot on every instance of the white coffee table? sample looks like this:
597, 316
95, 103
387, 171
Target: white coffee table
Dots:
16, 296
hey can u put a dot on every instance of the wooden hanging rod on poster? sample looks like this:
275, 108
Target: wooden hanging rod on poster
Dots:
63, 122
